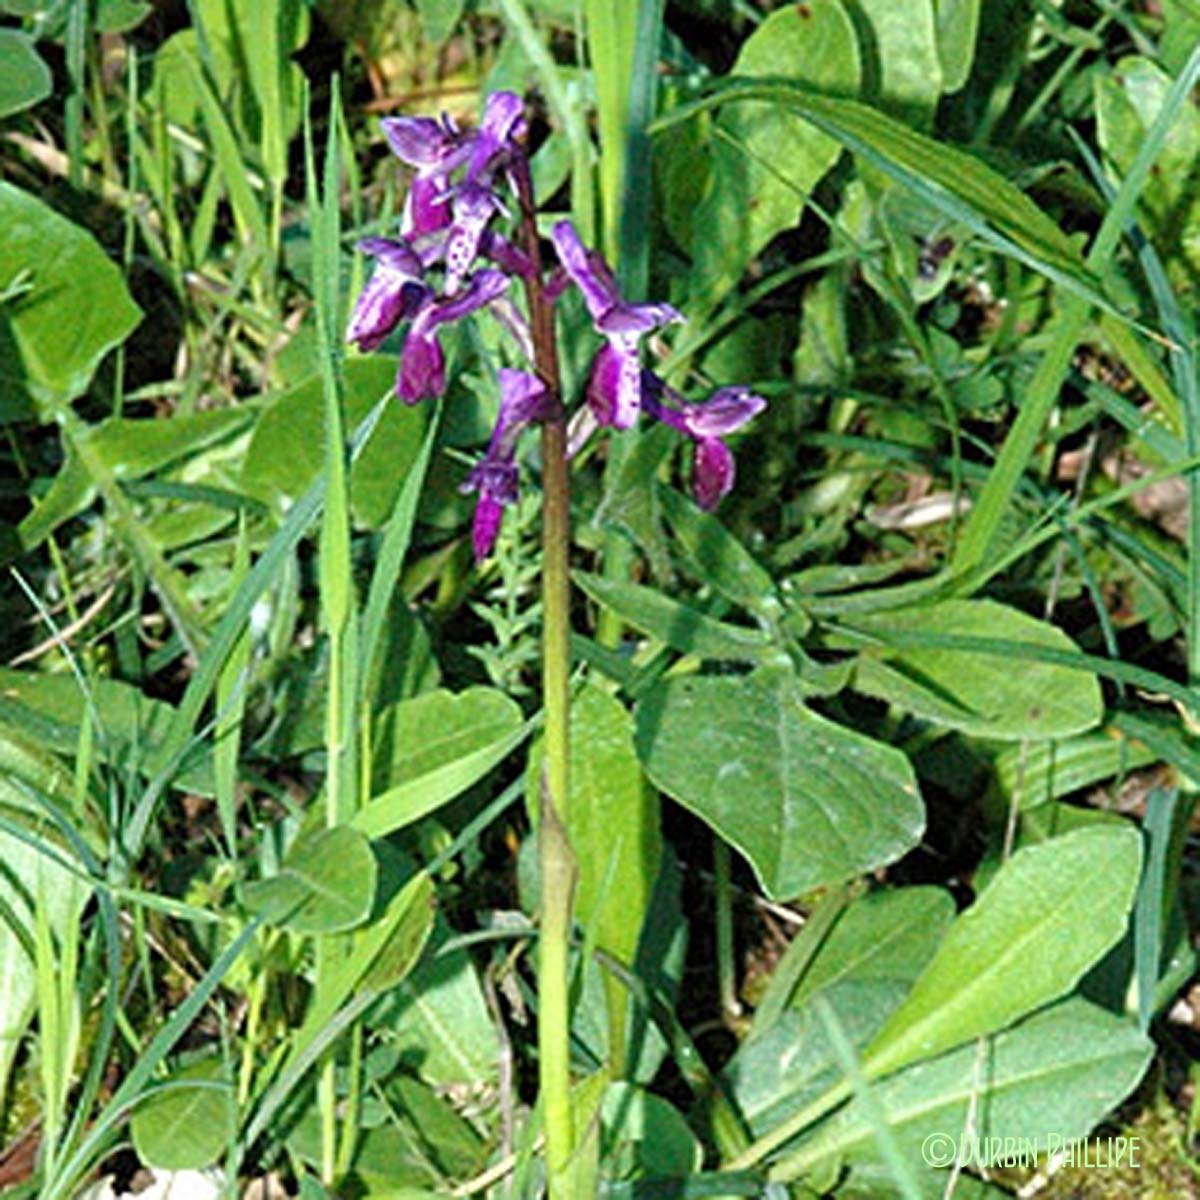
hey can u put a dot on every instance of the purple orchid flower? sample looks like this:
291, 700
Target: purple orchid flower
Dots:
395, 292
713, 470
422, 363
615, 387
494, 477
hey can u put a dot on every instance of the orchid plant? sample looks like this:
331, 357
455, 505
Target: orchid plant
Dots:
451, 261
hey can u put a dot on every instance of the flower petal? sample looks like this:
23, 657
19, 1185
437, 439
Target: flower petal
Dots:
636, 318
474, 207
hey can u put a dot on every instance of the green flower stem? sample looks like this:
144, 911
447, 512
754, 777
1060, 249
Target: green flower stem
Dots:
555, 857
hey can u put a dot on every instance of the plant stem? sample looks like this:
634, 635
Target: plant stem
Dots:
555, 858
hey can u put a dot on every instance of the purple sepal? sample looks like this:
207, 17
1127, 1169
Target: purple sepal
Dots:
430, 145
509, 258
712, 472
588, 270
503, 122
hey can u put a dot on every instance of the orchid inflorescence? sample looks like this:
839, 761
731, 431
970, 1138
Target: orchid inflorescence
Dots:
447, 226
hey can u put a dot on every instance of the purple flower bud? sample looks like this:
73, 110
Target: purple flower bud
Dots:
712, 472
392, 294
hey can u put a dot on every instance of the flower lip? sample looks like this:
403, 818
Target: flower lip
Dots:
712, 472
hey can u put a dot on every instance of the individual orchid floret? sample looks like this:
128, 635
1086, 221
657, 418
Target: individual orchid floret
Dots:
522, 402
713, 470
474, 207
422, 364
394, 292
614, 389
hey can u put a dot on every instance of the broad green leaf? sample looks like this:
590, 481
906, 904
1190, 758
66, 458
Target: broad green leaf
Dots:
1127, 102
438, 1019
1038, 772
120, 16
957, 31
886, 935
73, 311
29, 878
130, 449
717, 558
677, 625
902, 47
326, 883
981, 694
806, 801
777, 1073
286, 452
422, 1143
25, 80
381, 954
1058, 1074
1049, 914
643, 1136
49, 709
432, 748
764, 159
188, 1122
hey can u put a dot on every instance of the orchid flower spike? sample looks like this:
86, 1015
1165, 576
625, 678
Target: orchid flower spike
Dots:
615, 386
